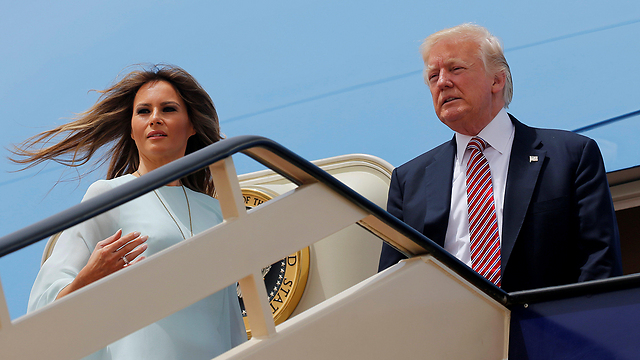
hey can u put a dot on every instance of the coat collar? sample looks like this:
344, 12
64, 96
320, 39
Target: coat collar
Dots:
525, 163
438, 205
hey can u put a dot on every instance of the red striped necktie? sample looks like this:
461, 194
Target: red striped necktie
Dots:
483, 223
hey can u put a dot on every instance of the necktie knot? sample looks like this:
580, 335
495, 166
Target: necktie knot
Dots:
477, 144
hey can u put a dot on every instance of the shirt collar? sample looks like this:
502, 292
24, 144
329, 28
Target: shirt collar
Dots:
496, 133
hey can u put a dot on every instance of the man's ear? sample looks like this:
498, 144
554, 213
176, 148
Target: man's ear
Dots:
499, 80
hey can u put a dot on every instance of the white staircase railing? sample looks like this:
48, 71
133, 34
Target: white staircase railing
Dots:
233, 251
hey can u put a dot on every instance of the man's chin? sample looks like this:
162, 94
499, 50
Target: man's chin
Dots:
456, 123
449, 118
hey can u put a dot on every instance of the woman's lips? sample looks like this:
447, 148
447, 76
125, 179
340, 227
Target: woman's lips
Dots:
154, 134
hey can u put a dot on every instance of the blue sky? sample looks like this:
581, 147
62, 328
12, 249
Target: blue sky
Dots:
323, 78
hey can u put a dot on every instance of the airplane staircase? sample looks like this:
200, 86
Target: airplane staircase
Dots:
429, 306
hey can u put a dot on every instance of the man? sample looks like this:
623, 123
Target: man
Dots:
544, 214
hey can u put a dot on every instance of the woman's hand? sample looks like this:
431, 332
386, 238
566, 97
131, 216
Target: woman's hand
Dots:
109, 256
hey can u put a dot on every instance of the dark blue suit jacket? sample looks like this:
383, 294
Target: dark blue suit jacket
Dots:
559, 225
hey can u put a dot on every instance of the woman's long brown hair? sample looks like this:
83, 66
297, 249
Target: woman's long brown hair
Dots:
107, 125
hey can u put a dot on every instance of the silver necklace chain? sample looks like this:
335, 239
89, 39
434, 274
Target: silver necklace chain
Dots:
169, 212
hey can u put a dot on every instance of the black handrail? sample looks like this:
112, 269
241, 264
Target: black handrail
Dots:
248, 144
588, 288
209, 155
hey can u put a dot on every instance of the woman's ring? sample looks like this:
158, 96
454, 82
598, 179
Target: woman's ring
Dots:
124, 258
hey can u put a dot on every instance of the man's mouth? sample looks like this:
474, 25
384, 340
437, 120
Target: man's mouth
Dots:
449, 99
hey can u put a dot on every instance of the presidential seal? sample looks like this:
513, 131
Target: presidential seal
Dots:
285, 280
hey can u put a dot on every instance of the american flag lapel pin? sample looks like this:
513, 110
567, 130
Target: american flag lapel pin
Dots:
533, 158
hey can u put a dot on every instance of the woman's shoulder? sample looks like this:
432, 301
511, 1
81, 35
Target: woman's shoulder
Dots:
102, 186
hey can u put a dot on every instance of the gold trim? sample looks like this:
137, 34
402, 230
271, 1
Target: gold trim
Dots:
286, 279
300, 273
258, 196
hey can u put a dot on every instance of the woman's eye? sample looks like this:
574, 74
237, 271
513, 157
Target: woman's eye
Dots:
169, 109
142, 111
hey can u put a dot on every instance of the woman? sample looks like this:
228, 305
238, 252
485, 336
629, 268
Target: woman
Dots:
147, 119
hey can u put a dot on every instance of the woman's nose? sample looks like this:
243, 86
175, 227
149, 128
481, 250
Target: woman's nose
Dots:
155, 117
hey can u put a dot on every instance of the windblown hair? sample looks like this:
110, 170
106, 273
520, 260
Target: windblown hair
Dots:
107, 125
490, 48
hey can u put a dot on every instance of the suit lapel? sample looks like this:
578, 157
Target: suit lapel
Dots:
525, 163
437, 186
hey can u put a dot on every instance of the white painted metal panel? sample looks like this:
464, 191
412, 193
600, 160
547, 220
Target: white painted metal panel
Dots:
415, 309
115, 306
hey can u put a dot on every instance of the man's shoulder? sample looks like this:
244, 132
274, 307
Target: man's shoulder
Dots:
566, 135
550, 138
564, 148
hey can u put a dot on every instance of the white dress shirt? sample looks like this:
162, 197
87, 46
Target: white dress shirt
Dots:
499, 134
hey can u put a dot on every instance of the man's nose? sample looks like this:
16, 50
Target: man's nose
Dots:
444, 80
